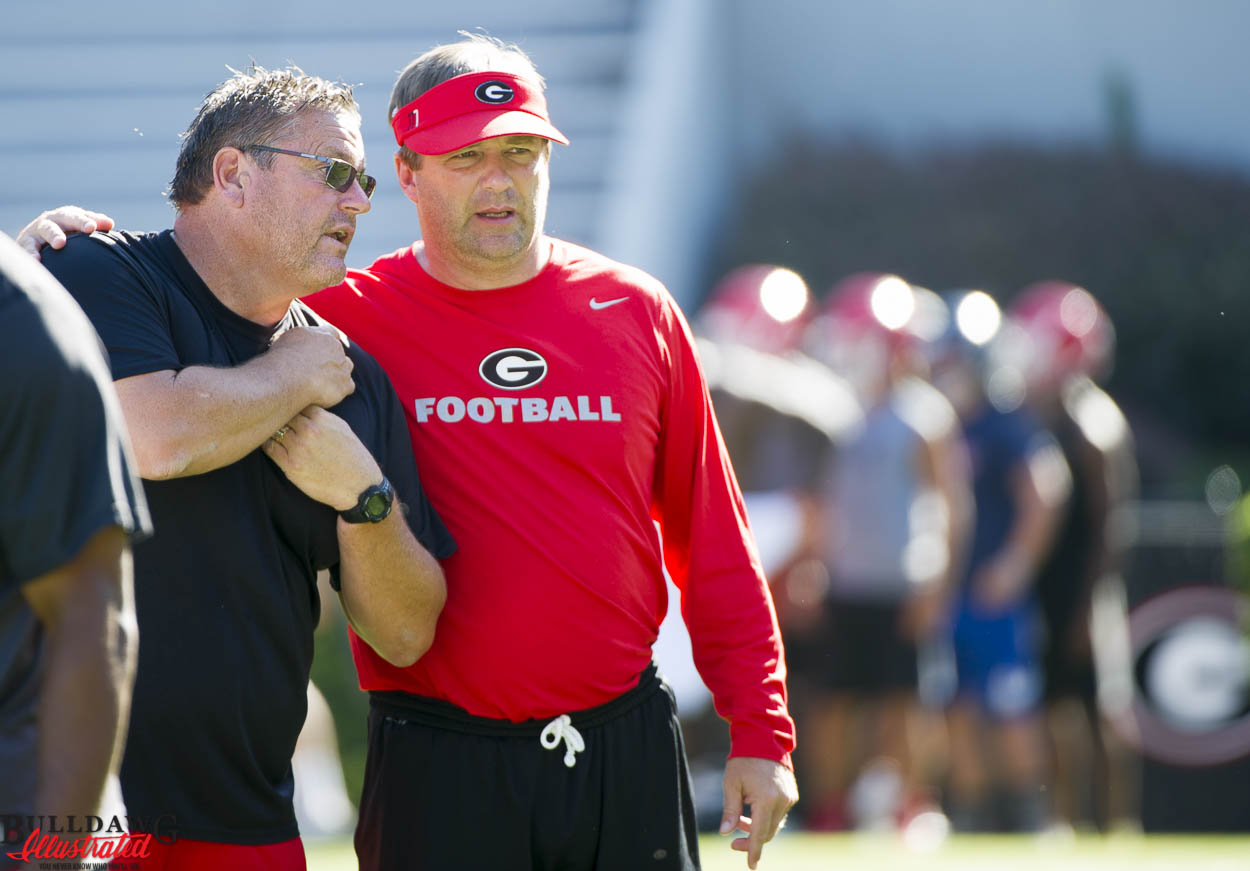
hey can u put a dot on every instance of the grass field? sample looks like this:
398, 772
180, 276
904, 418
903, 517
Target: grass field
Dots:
802, 852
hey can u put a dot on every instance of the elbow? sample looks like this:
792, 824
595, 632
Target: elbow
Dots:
411, 642
159, 459
408, 631
124, 642
406, 649
406, 655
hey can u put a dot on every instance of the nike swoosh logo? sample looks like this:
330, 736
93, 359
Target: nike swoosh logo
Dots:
596, 305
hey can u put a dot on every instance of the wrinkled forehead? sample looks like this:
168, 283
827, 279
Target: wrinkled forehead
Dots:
329, 134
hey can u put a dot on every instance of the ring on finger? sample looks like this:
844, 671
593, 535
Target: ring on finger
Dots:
281, 434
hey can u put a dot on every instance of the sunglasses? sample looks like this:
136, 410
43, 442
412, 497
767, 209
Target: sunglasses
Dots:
339, 173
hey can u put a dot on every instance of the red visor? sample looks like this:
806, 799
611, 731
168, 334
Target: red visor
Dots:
471, 108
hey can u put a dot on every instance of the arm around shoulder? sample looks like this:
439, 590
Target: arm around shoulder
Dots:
188, 417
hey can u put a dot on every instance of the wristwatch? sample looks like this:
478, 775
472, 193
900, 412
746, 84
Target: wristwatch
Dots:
373, 505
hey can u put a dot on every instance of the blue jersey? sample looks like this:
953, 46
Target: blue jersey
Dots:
999, 445
997, 652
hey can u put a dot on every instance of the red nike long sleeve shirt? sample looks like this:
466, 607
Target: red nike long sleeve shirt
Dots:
555, 423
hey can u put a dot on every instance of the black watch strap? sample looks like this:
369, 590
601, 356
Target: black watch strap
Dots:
373, 505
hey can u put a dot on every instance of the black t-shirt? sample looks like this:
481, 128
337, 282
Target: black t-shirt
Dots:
226, 591
66, 473
1062, 579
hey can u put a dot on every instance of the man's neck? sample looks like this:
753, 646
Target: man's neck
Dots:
232, 278
463, 277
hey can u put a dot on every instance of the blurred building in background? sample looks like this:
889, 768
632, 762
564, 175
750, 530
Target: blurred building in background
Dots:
669, 104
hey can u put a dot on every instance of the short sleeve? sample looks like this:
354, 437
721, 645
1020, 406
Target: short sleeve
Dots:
400, 467
65, 465
120, 299
392, 448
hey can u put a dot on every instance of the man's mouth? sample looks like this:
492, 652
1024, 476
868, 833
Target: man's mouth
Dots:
496, 214
344, 236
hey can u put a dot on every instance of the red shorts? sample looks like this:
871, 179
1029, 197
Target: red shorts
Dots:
184, 855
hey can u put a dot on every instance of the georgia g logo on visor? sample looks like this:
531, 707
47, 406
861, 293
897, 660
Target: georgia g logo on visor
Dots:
494, 92
513, 368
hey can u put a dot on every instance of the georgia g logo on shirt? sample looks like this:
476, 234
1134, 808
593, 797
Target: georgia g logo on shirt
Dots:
513, 368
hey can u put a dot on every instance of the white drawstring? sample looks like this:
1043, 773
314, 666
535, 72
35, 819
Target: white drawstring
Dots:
562, 729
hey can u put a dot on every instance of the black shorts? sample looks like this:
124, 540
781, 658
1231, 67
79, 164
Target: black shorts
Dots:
1067, 675
868, 651
1068, 678
448, 791
808, 652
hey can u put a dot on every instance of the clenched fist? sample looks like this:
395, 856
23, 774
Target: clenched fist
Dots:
320, 354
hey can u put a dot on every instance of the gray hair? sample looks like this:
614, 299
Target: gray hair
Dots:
250, 108
476, 53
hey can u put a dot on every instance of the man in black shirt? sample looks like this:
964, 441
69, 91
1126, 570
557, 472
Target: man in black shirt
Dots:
67, 640
272, 450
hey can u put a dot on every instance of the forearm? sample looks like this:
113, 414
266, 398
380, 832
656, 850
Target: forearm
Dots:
392, 588
958, 534
1030, 537
202, 418
85, 702
1040, 489
1100, 501
736, 645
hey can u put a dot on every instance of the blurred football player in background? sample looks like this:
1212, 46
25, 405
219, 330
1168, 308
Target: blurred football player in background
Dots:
1020, 483
782, 415
1070, 343
893, 516
781, 412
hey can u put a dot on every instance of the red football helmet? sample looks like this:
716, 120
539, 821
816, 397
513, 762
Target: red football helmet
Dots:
762, 306
868, 305
864, 324
874, 301
1069, 331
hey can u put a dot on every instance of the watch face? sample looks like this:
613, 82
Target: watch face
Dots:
376, 504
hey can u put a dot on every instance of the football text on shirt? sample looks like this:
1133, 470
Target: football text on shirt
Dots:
510, 409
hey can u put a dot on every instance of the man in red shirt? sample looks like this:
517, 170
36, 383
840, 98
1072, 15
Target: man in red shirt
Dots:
557, 406
559, 414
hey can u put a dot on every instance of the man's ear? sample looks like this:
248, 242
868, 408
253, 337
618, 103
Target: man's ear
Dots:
405, 174
231, 175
